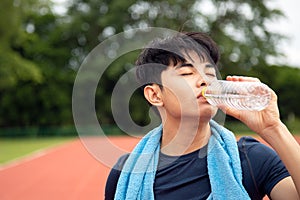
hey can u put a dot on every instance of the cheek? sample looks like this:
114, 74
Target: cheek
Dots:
179, 99
181, 88
181, 94
178, 94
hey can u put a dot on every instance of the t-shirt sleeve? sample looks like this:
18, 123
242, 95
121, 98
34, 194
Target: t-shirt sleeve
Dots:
113, 177
268, 169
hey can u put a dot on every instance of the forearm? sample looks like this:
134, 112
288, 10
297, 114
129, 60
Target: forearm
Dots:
283, 142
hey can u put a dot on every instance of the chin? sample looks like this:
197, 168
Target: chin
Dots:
202, 116
203, 112
208, 113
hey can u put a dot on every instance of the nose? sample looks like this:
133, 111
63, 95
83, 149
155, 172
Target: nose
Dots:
201, 81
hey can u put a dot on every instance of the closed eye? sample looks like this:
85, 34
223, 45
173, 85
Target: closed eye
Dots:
210, 74
186, 74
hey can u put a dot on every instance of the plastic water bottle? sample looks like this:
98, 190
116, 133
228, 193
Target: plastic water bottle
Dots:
238, 95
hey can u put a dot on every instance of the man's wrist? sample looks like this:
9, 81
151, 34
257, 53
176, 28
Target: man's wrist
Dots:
277, 135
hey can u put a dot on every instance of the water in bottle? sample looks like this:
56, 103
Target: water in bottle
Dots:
238, 95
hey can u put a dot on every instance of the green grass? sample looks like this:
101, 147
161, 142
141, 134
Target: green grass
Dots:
14, 148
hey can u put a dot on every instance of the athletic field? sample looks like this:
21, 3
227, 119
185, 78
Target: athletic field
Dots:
65, 172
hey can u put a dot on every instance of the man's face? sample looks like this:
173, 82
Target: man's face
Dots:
182, 86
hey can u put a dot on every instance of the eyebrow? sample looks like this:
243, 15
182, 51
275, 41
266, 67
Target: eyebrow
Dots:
191, 65
184, 65
210, 66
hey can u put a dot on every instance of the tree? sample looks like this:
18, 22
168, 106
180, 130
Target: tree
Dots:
13, 67
41, 51
36, 81
285, 81
239, 27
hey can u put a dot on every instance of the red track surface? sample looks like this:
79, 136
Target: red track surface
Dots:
63, 173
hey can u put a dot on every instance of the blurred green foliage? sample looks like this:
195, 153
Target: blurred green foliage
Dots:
41, 51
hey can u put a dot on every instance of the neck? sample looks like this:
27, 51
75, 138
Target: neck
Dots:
184, 137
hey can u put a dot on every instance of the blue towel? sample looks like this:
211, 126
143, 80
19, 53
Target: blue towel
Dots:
224, 167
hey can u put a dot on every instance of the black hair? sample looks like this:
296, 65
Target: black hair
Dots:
160, 53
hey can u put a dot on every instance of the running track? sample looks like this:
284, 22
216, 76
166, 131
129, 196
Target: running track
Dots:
67, 172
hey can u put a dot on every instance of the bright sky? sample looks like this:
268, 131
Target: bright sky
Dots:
290, 26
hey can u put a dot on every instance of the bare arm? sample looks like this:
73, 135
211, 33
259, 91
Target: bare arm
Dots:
289, 151
268, 125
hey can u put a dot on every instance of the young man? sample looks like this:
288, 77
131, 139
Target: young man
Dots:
190, 156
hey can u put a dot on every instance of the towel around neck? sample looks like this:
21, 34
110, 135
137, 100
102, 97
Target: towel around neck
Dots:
224, 167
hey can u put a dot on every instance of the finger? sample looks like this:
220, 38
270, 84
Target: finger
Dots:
242, 78
230, 111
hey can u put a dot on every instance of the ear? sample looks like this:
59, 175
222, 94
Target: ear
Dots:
153, 94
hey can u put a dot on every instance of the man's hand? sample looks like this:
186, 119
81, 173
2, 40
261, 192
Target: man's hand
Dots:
258, 121
268, 125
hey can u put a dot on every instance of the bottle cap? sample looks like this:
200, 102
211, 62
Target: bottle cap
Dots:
203, 91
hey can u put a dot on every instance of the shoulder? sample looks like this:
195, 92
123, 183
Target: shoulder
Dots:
121, 161
262, 167
113, 177
248, 143
254, 150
